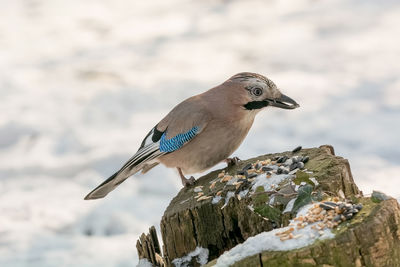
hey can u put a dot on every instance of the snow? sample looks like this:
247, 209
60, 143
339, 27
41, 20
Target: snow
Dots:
216, 199
243, 193
197, 189
312, 179
229, 195
201, 255
289, 206
82, 83
144, 263
269, 183
233, 180
269, 241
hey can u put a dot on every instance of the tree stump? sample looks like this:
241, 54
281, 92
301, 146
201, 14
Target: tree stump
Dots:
191, 221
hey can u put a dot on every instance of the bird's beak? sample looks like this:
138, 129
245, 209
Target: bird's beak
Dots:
283, 102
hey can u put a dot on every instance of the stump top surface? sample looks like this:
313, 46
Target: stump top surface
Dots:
322, 162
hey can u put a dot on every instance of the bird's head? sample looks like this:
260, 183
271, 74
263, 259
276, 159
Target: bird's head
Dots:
256, 92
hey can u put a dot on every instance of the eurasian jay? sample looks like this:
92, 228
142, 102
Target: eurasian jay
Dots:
203, 130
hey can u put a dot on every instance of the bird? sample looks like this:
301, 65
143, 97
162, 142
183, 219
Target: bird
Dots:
203, 130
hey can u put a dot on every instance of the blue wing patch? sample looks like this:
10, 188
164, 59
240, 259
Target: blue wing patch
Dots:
176, 142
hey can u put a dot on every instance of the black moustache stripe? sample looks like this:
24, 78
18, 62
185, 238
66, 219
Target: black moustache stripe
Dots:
256, 105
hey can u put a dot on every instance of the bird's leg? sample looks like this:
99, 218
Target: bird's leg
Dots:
186, 182
232, 161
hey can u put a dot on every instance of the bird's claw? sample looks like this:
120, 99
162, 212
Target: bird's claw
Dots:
232, 161
188, 182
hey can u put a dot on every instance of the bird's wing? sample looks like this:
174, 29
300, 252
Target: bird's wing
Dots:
180, 126
184, 117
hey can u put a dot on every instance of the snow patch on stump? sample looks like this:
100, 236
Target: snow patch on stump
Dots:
269, 241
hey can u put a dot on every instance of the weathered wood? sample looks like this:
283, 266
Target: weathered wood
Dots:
188, 223
372, 239
148, 247
211, 227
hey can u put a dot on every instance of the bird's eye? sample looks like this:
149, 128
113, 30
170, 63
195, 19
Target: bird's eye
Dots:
257, 91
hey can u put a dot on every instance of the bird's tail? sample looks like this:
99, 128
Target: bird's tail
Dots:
142, 160
104, 188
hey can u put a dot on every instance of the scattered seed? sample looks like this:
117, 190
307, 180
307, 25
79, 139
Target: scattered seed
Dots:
247, 167
252, 175
326, 206
213, 185
296, 159
291, 229
297, 149
266, 162
293, 166
282, 159
266, 169
300, 165
358, 206
353, 210
348, 216
305, 159
331, 203
199, 194
226, 178
204, 198
317, 210
251, 171
241, 172
324, 215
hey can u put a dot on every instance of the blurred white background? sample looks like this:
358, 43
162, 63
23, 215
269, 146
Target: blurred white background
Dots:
82, 82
